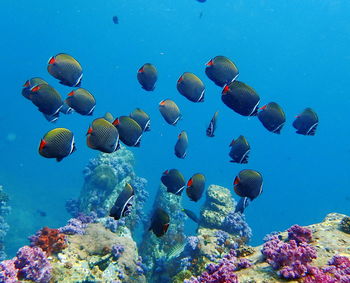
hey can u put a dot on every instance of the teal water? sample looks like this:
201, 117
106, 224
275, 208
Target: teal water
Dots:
293, 52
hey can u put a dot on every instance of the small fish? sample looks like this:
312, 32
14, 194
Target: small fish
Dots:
41, 213
160, 222
123, 204
142, 118
170, 111
147, 76
66, 69
102, 136
130, 132
242, 205
109, 117
115, 20
48, 100
174, 181
57, 143
191, 87
81, 101
212, 125
181, 145
195, 187
241, 98
240, 150
29, 84
176, 250
272, 117
306, 123
248, 183
221, 70
200, 15
190, 214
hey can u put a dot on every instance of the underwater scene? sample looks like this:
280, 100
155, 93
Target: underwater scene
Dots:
175, 141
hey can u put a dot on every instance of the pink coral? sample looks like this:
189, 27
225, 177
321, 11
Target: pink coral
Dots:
223, 272
292, 259
299, 234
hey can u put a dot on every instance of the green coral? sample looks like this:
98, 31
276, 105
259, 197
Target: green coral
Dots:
345, 225
181, 276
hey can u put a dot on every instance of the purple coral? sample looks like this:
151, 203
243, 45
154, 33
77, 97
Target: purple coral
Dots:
221, 237
74, 226
291, 258
112, 224
117, 251
33, 264
223, 272
87, 218
8, 271
235, 223
299, 234
338, 270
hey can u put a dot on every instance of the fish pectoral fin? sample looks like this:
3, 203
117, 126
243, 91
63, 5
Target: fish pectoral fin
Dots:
59, 159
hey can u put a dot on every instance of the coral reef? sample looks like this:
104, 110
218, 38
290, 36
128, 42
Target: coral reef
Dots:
99, 255
4, 227
155, 251
317, 253
49, 240
105, 177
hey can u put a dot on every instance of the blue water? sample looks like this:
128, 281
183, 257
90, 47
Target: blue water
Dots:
293, 52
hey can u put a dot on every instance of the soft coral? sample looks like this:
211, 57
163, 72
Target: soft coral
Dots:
49, 240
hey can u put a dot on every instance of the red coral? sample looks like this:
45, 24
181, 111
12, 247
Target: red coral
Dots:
49, 240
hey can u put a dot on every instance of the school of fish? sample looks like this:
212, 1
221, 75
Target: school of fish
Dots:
105, 133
